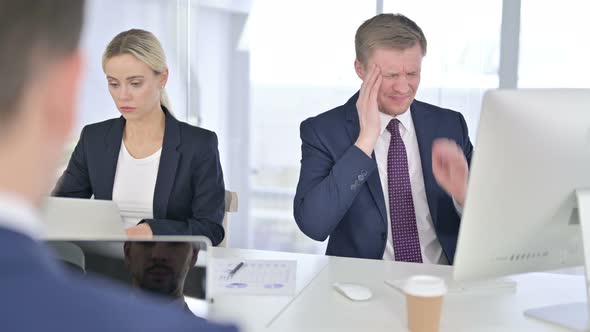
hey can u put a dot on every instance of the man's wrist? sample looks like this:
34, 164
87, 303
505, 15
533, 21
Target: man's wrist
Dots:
458, 206
460, 199
367, 146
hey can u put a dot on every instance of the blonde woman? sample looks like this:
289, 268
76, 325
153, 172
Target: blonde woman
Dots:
164, 174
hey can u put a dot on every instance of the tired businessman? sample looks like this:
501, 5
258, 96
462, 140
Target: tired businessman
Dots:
384, 175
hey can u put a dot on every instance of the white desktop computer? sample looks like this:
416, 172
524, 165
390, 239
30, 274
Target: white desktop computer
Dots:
528, 200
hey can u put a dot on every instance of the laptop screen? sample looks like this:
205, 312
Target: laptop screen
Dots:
62, 216
173, 269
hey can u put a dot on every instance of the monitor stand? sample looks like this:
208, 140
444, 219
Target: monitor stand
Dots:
574, 316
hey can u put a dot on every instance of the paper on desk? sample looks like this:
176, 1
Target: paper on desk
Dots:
255, 277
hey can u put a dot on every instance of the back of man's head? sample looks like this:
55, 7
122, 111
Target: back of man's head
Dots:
33, 32
40, 66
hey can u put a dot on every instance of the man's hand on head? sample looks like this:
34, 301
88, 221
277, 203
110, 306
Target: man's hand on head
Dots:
368, 111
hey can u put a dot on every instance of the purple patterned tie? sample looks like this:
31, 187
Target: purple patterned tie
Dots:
406, 244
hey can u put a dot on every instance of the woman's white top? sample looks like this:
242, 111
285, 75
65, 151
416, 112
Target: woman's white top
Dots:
133, 189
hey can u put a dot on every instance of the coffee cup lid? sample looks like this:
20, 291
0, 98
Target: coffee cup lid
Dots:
425, 286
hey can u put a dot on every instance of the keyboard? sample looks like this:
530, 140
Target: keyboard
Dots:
459, 287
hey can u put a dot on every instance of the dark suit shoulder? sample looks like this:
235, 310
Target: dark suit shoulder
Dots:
329, 118
100, 127
94, 135
110, 307
200, 141
60, 301
436, 110
105, 300
191, 132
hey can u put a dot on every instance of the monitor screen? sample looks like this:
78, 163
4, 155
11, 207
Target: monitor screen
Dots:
532, 154
173, 269
528, 190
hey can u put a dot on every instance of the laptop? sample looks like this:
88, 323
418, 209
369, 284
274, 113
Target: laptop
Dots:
163, 267
76, 218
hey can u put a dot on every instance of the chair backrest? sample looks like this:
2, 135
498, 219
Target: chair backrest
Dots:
231, 205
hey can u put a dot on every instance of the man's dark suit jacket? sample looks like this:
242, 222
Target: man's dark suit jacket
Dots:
37, 295
189, 197
339, 192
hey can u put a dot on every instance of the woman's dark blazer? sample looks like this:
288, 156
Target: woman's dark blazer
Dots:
189, 197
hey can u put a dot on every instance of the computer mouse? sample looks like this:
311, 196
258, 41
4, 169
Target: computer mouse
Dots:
354, 292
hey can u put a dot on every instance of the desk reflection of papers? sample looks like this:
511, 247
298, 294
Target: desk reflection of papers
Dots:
255, 277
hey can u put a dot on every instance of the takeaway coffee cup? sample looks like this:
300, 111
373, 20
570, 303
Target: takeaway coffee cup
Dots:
424, 298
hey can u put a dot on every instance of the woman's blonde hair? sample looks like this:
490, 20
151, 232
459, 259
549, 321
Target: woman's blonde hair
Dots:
145, 47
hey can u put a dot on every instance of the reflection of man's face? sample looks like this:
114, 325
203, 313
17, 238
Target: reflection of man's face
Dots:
160, 267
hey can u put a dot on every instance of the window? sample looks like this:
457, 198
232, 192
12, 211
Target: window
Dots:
553, 49
107, 18
266, 67
104, 20
463, 51
301, 64
253, 70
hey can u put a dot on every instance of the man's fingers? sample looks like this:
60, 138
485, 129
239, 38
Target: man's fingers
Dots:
447, 149
366, 86
437, 165
375, 88
370, 81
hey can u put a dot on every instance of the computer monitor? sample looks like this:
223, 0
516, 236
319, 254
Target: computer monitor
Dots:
530, 167
170, 268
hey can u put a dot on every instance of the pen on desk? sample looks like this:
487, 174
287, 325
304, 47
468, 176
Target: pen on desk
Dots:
236, 269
